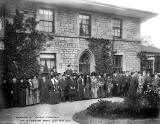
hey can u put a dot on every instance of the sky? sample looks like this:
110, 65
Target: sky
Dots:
150, 28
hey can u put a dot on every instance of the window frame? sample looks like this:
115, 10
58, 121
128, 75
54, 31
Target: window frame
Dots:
53, 19
119, 67
117, 28
89, 25
49, 58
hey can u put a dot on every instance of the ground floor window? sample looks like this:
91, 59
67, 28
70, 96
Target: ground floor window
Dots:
147, 65
50, 59
150, 66
117, 63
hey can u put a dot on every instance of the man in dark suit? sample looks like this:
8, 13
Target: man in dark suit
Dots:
63, 86
44, 88
133, 85
115, 84
13, 92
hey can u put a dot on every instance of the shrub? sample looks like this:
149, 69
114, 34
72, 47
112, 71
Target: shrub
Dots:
138, 106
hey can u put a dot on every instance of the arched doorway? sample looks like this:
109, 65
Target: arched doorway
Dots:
86, 62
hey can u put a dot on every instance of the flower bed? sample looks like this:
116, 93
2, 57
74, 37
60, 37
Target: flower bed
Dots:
138, 106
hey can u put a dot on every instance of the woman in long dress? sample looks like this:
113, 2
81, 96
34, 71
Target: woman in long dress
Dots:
80, 84
94, 86
29, 94
101, 92
87, 88
54, 90
35, 90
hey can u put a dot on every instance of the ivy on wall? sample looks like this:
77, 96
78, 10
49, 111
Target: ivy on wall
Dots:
22, 45
102, 50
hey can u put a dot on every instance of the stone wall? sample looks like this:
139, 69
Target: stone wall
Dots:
129, 51
68, 45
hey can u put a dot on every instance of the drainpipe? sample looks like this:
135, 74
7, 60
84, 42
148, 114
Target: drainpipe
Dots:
112, 51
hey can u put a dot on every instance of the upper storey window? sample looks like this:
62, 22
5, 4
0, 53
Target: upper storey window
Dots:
85, 25
117, 28
45, 20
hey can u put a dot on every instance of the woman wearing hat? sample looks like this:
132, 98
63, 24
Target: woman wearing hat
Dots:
72, 85
94, 86
54, 90
35, 90
80, 83
87, 88
29, 93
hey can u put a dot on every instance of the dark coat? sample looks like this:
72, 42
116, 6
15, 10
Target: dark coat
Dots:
72, 86
80, 84
22, 94
54, 93
133, 86
13, 90
87, 88
63, 86
44, 91
127, 80
5, 91
115, 85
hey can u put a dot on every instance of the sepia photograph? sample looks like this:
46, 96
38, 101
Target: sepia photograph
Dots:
79, 62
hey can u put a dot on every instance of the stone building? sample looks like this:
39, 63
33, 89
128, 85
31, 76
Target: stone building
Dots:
2, 18
71, 21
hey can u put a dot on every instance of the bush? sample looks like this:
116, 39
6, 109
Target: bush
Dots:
138, 106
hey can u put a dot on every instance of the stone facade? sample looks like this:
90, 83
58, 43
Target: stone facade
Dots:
129, 51
69, 46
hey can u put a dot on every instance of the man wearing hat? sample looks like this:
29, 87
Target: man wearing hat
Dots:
13, 92
44, 86
53, 72
63, 87
68, 70
72, 87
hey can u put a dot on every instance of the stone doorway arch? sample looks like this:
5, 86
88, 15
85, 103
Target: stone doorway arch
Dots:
86, 62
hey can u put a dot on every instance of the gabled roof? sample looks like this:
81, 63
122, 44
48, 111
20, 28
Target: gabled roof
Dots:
101, 7
149, 49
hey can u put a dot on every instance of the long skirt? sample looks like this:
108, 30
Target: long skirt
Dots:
29, 97
80, 94
87, 93
22, 98
94, 92
36, 95
54, 97
101, 92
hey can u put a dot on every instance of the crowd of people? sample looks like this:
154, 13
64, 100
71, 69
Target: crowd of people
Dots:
53, 88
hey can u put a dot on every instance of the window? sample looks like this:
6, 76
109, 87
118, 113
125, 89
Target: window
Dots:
149, 66
84, 24
117, 28
45, 20
117, 62
49, 58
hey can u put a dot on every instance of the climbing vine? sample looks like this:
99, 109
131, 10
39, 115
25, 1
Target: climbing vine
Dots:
102, 50
22, 45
